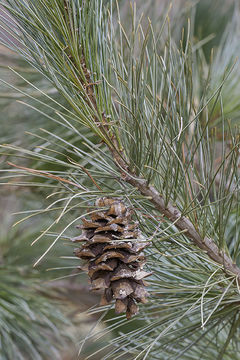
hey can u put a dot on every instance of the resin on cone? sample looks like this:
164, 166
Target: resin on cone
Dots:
112, 246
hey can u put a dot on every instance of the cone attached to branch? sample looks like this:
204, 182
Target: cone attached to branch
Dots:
113, 249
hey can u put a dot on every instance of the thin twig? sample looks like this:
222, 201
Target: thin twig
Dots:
45, 174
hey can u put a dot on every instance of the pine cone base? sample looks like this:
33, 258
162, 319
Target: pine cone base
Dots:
113, 250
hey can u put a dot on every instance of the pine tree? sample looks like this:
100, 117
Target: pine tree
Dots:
162, 115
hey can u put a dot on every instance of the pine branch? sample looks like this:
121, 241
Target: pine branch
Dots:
171, 212
158, 130
183, 223
86, 85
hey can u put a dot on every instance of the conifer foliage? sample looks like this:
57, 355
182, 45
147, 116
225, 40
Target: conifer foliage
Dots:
158, 141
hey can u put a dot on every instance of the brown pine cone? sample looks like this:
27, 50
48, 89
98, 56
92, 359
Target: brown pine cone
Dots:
112, 249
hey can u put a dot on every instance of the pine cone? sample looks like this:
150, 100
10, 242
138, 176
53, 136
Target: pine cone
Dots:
113, 250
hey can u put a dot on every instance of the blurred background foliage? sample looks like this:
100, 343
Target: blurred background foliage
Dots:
43, 313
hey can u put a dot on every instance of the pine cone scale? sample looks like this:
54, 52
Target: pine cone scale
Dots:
114, 265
